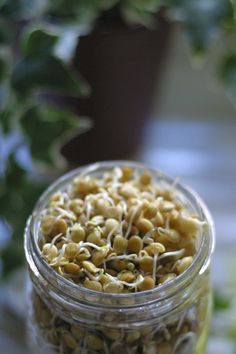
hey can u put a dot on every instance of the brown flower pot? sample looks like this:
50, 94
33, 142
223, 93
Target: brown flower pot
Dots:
122, 65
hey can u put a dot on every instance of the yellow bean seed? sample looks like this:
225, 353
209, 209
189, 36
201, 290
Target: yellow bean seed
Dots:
118, 264
72, 268
126, 276
77, 233
132, 336
166, 278
120, 244
71, 250
147, 284
93, 285
85, 186
111, 224
94, 237
133, 213
126, 174
60, 227
158, 220
97, 220
82, 219
135, 244
69, 340
128, 191
102, 206
51, 226
102, 242
104, 279
113, 287
90, 267
94, 342
130, 266
77, 206
98, 256
183, 264
47, 224
145, 178
166, 206
167, 235
144, 225
146, 264
155, 248
82, 257
188, 245
55, 197
187, 224
114, 212
49, 251
77, 331
174, 215
150, 211
113, 334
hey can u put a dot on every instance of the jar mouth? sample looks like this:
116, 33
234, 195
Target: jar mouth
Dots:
81, 294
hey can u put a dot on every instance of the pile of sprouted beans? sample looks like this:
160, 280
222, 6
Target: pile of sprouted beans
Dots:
122, 232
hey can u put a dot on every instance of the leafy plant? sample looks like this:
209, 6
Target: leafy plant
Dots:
221, 302
38, 39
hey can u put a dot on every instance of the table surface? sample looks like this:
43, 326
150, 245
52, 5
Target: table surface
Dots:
202, 155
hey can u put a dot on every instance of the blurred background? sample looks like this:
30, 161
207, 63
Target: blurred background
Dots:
117, 80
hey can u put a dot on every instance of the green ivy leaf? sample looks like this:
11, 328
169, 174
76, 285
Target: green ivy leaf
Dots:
5, 121
23, 9
18, 195
145, 5
2, 2
47, 128
203, 18
2, 68
5, 31
38, 43
83, 12
4, 96
73, 9
45, 73
12, 257
140, 11
221, 302
227, 72
107, 4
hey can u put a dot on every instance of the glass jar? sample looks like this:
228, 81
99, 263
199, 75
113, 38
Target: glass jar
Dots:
172, 318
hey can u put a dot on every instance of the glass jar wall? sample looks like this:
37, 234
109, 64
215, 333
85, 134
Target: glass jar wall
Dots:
170, 319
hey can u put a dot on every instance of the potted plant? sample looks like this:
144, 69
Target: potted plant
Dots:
42, 90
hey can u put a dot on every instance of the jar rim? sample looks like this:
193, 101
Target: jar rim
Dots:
76, 292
